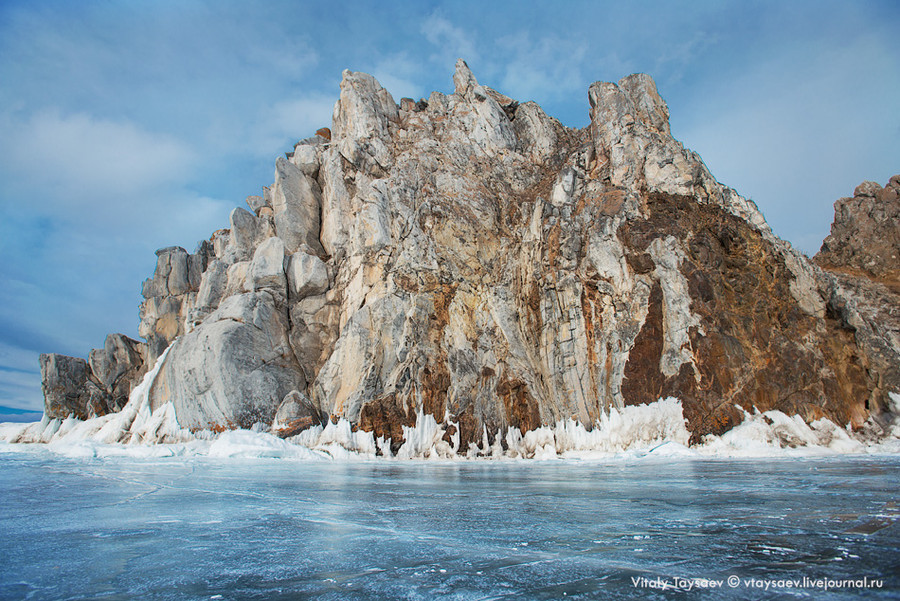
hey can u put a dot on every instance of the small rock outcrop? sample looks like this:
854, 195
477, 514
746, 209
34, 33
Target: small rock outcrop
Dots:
233, 369
865, 235
468, 257
295, 414
100, 385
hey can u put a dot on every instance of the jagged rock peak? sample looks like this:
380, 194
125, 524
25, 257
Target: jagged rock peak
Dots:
463, 80
634, 98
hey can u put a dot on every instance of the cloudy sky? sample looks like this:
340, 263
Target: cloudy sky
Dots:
129, 126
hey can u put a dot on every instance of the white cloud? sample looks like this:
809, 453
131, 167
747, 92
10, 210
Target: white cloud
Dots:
450, 42
283, 123
541, 69
79, 155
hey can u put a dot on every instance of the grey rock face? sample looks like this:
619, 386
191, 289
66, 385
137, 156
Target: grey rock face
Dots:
233, 370
315, 326
266, 270
169, 295
117, 368
296, 201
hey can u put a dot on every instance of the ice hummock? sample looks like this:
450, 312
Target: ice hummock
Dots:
652, 430
134, 424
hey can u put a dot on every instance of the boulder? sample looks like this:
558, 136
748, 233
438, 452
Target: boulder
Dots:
176, 273
266, 270
233, 370
64, 383
307, 275
256, 203
212, 286
295, 414
247, 231
306, 158
118, 367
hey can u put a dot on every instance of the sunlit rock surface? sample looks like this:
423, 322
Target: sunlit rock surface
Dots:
469, 259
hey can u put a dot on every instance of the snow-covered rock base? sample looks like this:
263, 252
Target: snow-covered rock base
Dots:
656, 429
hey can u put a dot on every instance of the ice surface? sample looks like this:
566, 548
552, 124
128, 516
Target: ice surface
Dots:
260, 528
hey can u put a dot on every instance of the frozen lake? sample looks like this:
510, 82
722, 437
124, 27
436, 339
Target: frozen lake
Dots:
205, 528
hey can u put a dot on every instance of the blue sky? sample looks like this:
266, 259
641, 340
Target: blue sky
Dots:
129, 126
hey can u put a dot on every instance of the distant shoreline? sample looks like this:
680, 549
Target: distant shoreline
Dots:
19, 416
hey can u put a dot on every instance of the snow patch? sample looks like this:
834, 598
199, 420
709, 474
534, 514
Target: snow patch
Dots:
247, 444
775, 433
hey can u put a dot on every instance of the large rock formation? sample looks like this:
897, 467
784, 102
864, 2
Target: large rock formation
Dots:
469, 257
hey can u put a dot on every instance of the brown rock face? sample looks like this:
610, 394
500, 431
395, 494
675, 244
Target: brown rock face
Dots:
70, 389
862, 257
865, 235
754, 346
78, 388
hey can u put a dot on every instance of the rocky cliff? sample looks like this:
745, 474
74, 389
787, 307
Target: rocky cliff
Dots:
860, 257
467, 256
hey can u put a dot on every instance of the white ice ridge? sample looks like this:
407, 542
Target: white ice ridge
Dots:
654, 430
134, 424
